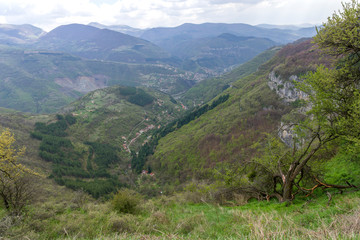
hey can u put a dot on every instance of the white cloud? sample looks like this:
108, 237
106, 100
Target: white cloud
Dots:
151, 13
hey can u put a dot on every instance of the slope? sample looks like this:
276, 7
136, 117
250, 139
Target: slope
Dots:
19, 34
169, 37
219, 53
229, 133
44, 81
103, 44
136, 32
209, 88
89, 145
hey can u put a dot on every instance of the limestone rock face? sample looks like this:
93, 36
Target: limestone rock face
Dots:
286, 88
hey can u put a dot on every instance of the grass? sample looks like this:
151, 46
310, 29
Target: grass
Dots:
174, 218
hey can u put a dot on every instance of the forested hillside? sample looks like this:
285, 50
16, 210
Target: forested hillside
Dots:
272, 152
229, 133
209, 88
45, 81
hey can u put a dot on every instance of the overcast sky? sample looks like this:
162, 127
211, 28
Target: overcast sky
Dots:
49, 14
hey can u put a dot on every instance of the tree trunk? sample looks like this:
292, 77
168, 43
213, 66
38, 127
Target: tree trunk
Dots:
287, 190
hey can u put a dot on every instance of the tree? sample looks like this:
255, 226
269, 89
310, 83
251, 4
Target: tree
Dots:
14, 185
334, 97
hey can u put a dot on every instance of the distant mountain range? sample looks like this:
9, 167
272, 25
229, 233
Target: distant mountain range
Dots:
136, 32
71, 60
162, 35
216, 46
19, 34
220, 52
102, 44
204, 48
44, 81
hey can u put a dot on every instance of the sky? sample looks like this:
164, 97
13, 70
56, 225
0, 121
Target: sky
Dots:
48, 14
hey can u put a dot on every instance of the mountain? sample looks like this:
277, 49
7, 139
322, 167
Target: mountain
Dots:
289, 27
44, 81
136, 32
207, 89
220, 52
101, 44
167, 38
202, 51
229, 132
19, 34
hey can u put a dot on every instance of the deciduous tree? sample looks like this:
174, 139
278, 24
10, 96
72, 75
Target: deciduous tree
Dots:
334, 97
15, 188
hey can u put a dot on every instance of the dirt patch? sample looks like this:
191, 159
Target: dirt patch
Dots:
83, 84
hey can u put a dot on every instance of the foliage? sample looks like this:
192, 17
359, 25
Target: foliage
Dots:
15, 189
126, 201
344, 166
223, 135
141, 98
97, 188
209, 88
138, 160
334, 99
105, 154
67, 166
126, 91
9, 155
301, 57
339, 35
172, 218
115, 121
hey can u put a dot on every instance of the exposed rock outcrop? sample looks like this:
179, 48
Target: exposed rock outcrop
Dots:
83, 84
287, 91
286, 88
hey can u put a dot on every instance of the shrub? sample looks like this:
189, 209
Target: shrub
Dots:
126, 201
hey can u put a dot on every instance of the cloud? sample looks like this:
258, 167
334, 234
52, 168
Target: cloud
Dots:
252, 2
144, 13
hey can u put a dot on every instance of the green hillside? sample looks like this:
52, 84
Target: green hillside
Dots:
117, 115
229, 133
89, 146
45, 81
221, 135
275, 155
209, 88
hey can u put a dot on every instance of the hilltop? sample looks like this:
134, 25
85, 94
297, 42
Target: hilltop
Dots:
11, 34
101, 44
45, 81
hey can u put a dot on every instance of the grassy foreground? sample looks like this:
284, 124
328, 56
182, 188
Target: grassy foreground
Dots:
76, 216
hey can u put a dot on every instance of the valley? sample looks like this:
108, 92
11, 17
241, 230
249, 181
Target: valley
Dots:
200, 131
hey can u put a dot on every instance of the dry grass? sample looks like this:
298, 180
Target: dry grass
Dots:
166, 218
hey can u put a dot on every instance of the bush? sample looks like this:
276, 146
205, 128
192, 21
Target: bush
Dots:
126, 201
